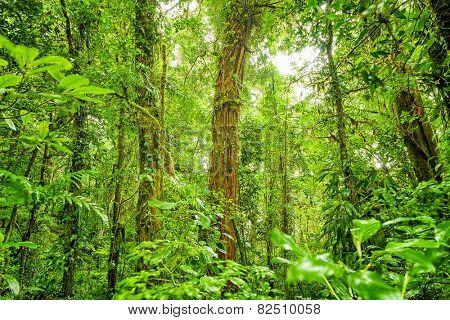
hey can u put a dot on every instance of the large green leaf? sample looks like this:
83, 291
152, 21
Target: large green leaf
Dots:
73, 81
364, 229
21, 54
9, 80
9, 122
50, 63
43, 129
203, 220
414, 243
17, 189
442, 232
422, 263
286, 242
162, 205
81, 91
13, 284
313, 269
370, 286
26, 244
5, 43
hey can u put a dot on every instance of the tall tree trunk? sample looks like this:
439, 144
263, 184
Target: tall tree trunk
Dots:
165, 152
70, 215
285, 198
417, 134
336, 94
150, 166
116, 239
224, 154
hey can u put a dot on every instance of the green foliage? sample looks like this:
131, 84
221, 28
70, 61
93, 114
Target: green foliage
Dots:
323, 154
197, 273
417, 249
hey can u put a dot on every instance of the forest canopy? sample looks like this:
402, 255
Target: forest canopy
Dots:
232, 149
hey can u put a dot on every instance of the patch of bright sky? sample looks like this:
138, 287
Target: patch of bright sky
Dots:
172, 9
173, 63
289, 64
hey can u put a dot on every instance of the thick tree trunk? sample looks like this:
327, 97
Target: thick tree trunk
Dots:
417, 134
116, 240
150, 164
224, 153
70, 215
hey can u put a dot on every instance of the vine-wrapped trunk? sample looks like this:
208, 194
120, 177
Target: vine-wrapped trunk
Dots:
225, 143
150, 166
336, 94
417, 134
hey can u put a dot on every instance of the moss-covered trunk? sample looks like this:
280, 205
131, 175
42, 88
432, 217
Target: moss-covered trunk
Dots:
225, 142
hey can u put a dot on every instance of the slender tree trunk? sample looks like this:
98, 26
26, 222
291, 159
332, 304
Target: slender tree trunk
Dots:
162, 99
22, 251
336, 94
71, 213
224, 154
150, 166
270, 179
270, 223
12, 220
165, 153
116, 240
285, 198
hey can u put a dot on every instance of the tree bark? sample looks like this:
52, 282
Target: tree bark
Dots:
150, 164
439, 50
116, 240
441, 9
224, 154
285, 220
71, 215
417, 134
336, 94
